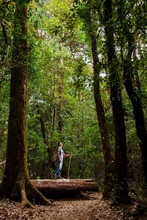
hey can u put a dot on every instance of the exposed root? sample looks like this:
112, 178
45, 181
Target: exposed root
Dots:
27, 193
24, 200
37, 196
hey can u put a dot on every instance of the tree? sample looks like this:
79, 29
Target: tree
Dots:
88, 14
121, 184
130, 74
16, 181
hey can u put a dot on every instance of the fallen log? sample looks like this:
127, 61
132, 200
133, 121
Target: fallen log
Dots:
64, 187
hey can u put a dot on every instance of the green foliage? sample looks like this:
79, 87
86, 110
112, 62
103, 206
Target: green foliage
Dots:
60, 56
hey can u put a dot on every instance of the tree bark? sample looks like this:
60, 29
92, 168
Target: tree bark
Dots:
133, 88
134, 95
16, 183
121, 184
108, 179
64, 187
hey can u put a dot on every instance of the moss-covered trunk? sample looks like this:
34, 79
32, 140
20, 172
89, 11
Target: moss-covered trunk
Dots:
16, 178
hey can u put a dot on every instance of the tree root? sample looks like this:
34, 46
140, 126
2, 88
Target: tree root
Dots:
26, 193
37, 196
24, 200
29, 196
32, 194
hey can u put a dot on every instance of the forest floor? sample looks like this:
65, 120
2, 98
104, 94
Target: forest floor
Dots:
86, 206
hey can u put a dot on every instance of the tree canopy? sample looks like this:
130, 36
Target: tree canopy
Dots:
85, 66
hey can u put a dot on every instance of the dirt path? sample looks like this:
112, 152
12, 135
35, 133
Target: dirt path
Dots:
83, 207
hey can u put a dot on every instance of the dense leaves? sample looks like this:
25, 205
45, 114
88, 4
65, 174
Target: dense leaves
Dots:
60, 93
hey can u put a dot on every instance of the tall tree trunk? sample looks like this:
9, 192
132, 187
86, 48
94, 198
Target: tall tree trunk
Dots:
16, 181
108, 179
133, 88
134, 95
121, 185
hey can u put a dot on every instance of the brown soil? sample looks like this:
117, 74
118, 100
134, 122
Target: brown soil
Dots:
86, 206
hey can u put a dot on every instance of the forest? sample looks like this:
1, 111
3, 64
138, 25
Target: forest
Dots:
74, 71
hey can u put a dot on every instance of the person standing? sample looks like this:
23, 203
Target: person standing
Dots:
59, 161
